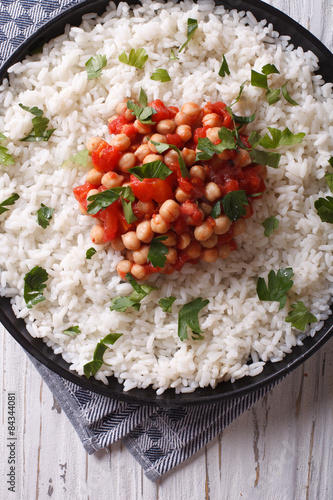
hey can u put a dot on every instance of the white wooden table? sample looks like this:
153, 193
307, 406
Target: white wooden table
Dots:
280, 449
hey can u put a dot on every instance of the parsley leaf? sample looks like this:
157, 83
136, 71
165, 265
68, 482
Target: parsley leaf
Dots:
329, 180
233, 204
94, 66
188, 317
270, 225
2, 137
136, 58
265, 158
44, 215
192, 26
216, 210
173, 56
241, 88
278, 285
330, 161
287, 96
300, 317
140, 292
254, 139
258, 80
224, 69
104, 199
161, 75
81, 158
34, 284
268, 69
72, 331
324, 207
158, 251
39, 131
152, 170
9, 201
162, 147
280, 138
166, 303
92, 367
208, 148
143, 114
35, 111
90, 252
273, 96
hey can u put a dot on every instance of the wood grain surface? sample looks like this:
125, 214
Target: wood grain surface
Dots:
280, 449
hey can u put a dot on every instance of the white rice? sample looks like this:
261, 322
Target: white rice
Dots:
241, 333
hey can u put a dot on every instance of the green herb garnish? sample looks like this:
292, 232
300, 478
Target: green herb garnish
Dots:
39, 131
224, 69
162, 147
142, 112
216, 210
324, 207
34, 284
259, 80
158, 251
90, 252
152, 170
104, 199
280, 138
94, 66
136, 58
234, 204
278, 286
192, 26
287, 96
134, 300
273, 96
93, 366
166, 303
81, 158
270, 225
188, 318
268, 69
173, 56
72, 331
9, 201
208, 148
34, 110
44, 215
161, 75
300, 317
265, 158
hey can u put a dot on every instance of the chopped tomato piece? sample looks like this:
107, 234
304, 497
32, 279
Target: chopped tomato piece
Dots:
129, 130
199, 133
105, 158
216, 107
152, 189
162, 112
116, 124
191, 213
175, 140
109, 216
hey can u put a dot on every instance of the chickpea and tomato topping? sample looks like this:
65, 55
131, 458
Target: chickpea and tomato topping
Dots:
182, 210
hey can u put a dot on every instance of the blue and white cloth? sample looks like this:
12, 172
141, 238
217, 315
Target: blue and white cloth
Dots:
159, 438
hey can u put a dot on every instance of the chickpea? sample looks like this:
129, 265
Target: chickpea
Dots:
94, 176
142, 128
124, 267
193, 251
212, 191
121, 107
156, 138
188, 156
171, 256
113, 117
242, 158
224, 250
111, 180
171, 239
152, 157
191, 109
212, 120
142, 152
121, 141
197, 171
144, 231
170, 158
238, 227
92, 192
140, 256
129, 255
213, 134
166, 127
181, 196
206, 208
145, 208
97, 235
169, 210
129, 115
222, 224
131, 241
211, 242
184, 132
146, 138
82, 209
159, 225
117, 244
182, 119
183, 241
203, 232
128, 160
210, 255
93, 144
138, 271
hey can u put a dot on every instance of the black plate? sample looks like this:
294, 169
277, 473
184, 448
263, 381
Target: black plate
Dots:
226, 390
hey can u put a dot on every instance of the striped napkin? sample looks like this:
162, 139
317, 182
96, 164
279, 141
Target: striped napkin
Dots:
158, 438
